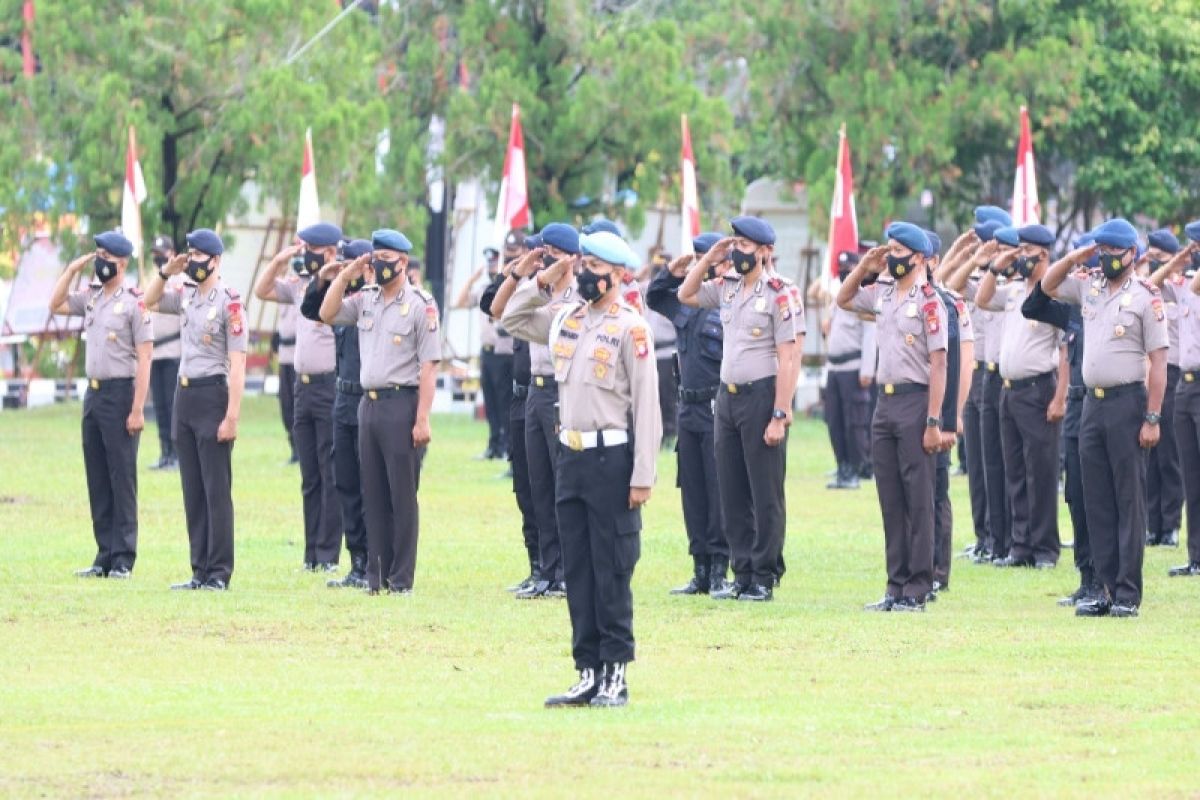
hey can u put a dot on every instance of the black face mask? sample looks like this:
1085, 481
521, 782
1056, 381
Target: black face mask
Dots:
198, 270
589, 284
160, 261
313, 261
356, 285
899, 266
297, 265
744, 263
548, 261
843, 274
1155, 265
385, 271
1111, 266
1023, 266
105, 270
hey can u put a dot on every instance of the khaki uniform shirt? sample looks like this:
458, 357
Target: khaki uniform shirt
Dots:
988, 324
1174, 316
491, 333
115, 326
849, 333
213, 326
1119, 327
316, 347
909, 327
605, 367
285, 325
756, 319
1027, 347
1186, 303
541, 362
167, 326
394, 337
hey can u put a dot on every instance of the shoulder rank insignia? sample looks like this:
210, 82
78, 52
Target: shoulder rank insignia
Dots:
641, 343
431, 317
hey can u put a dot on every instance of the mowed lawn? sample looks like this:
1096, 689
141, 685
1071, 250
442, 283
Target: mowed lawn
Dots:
284, 688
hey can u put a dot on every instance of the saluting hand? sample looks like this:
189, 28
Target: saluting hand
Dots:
528, 263
1081, 254
1148, 435
81, 262
638, 496
985, 253
554, 273
135, 422
875, 260
330, 270
679, 267
421, 433
175, 265
354, 270
289, 251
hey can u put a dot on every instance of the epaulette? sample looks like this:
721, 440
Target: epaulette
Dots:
135, 291
928, 290
731, 276
428, 298
628, 278
776, 283
1149, 286
370, 287
233, 293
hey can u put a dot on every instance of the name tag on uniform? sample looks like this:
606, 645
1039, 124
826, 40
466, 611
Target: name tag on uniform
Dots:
404, 309
212, 314
910, 310
1126, 299
118, 308
760, 304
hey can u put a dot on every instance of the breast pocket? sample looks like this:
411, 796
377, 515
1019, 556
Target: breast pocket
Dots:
1126, 325
757, 325
1172, 311
712, 339
602, 368
401, 330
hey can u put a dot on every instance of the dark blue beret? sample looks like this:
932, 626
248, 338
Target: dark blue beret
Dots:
323, 234
1117, 232
533, 241
1192, 230
559, 235
388, 239
206, 241
1164, 240
1083, 240
355, 248
935, 243
986, 231
992, 213
602, 224
1007, 235
1036, 234
115, 243
755, 229
908, 235
704, 242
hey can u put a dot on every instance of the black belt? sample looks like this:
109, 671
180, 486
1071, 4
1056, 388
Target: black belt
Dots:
308, 377
1109, 392
203, 380
749, 386
845, 358
981, 364
697, 395
520, 390
543, 382
97, 384
389, 391
1022, 383
991, 366
489, 348
1076, 392
349, 387
289, 341
170, 337
903, 388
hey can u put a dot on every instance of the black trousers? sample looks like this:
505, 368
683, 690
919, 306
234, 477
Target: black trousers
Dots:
750, 476
668, 396
699, 489
1031, 468
521, 486
110, 464
973, 445
164, 377
312, 433
904, 475
995, 484
601, 545
391, 475
846, 407
1164, 477
287, 399
346, 475
206, 472
496, 380
1114, 490
1187, 430
1073, 494
943, 520
542, 450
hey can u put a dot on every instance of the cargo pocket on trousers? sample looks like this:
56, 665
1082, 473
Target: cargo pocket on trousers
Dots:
628, 541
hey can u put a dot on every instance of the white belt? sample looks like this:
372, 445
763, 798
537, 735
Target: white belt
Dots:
586, 440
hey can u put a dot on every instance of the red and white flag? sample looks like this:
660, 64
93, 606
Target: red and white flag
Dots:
308, 210
28, 60
512, 206
133, 193
843, 219
689, 212
1025, 207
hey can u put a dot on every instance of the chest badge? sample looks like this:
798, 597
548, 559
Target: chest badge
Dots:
600, 370
1119, 331
910, 310
1126, 300
212, 314
760, 304
404, 309
612, 329
118, 308
571, 323
909, 339
601, 354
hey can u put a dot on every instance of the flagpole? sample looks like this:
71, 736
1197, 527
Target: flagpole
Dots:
141, 239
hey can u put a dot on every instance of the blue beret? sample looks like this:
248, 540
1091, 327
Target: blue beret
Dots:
559, 235
908, 235
115, 243
355, 248
533, 241
1083, 240
1164, 240
1007, 235
755, 229
702, 243
602, 224
1141, 249
1192, 230
1117, 232
323, 234
986, 231
388, 239
206, 241
607, 246
1036, 234
992, 213
935, 243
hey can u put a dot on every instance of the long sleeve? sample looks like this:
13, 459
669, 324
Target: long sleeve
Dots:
662, 294
314, 295
1042, 307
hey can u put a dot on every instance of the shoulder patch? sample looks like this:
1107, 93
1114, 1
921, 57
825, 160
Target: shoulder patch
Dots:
627, 278
641, 341
928, 290
775, 283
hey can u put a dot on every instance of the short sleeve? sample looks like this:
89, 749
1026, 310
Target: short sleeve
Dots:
1072, 288
77, 303
710, 293
429, 343
285, 291
171, 301
236, 337
785, 318
351, 308
1154, 325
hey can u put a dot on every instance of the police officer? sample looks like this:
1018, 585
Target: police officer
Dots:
851, 344
1164, 479
1123, 323
208, 402
285, 341
316, 374
119, 341
906, 431
164, 361
611, 431
759, 367
400, 349
1033, 398
541, 408
346, 473
699, 340
495, 357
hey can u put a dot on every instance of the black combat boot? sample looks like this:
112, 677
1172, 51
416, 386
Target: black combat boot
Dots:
578, 695
613, 691
699, 582
356, 578
718, 567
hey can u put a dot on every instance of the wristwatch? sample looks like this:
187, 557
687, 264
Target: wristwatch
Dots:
933, 422
1152, 418
778, 413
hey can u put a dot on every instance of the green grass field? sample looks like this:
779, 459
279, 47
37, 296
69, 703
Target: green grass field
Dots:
281, 687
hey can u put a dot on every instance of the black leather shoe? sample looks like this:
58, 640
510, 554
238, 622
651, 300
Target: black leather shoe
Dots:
524, 584
556, 590
90, 572
613, 692
699, 583
1012, 561
214, 585
757, 593
1123, 610
120, 574
1169, 539
401, 592
1152, 538
1076, 597
580, 694
732, 591
535, 590
186, 586
327, 566
885, 604
1094, 607
353, 580
310, 566
908, 605
1044, 565
1188, 570
161, 463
